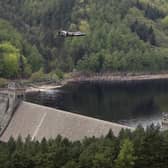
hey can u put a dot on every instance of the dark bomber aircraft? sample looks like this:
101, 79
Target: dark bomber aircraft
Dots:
64, 33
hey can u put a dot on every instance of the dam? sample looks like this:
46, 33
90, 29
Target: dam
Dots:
24, 118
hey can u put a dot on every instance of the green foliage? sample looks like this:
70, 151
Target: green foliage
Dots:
165, 21
144, 33
12, 63
126, 156
120, 33
3, 82
12, 48
33, 56
9, 60
60, 74
8, 33
139, 148
38, 76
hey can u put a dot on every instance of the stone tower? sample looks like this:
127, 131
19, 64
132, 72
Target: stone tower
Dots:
11, 100
16, 93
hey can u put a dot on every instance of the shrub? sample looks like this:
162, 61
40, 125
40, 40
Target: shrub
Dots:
3, 82
60, 74
38, 76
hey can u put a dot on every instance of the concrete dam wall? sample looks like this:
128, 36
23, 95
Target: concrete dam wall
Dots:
10, 99
8, 105
4, 109
39, 121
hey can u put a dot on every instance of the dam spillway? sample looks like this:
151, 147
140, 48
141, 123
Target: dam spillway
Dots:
40, 121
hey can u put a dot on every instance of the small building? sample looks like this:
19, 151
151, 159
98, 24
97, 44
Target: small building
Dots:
16, 91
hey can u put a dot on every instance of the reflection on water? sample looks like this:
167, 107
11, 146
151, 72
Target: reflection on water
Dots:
127, 103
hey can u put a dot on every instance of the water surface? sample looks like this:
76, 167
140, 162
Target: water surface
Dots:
129, 103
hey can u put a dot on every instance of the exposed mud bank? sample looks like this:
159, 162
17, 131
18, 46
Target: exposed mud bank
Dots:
118, 78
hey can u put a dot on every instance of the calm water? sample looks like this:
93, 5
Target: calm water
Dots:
127, 103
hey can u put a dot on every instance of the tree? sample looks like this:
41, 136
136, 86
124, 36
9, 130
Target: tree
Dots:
10, 57
13, 64
126, 157
107, 25
21, 65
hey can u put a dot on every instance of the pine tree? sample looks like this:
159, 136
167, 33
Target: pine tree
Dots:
126, 157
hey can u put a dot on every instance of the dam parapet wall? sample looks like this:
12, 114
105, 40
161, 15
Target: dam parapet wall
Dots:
10, 99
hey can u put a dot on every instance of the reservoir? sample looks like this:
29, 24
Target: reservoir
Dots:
129, 103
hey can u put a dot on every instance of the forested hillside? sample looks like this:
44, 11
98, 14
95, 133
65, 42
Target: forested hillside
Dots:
122, 35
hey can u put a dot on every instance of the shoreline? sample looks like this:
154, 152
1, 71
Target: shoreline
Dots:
118, 78
97, 78
42, 88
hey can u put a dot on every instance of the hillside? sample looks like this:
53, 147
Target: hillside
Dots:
122, 35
